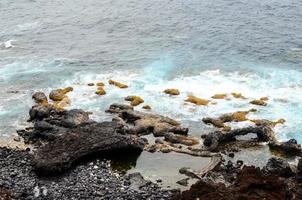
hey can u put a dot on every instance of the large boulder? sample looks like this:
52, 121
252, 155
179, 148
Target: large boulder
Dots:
280, 167
73, 144
75, 117
40, 111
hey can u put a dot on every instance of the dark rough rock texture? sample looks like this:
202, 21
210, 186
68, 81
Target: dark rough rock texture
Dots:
88, 139
290, 147
229, 182
40, 111
280, 167
75, 117
64, 137
251, 184
89, 180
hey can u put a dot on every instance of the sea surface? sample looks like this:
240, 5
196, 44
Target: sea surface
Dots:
200, 47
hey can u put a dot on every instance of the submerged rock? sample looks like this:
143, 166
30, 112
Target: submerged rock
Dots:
172, 91
117, 84
186, 140
197, 101
135, 100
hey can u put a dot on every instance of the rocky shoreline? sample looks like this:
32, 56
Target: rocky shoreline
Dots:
69, 150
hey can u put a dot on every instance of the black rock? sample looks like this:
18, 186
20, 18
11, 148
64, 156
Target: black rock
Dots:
279, 167
75, 117
75, 143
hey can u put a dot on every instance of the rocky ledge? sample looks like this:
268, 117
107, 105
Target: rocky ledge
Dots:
228, 181
68, 158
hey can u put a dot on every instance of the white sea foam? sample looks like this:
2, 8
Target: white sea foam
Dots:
283, 87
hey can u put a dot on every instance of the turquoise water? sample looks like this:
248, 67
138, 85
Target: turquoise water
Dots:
199, 47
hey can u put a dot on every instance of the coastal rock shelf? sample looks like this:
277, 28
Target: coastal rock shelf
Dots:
64, 140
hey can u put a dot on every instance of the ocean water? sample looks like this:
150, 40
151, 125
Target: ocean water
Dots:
200, 47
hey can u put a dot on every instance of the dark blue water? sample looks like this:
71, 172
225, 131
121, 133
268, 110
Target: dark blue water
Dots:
201, 47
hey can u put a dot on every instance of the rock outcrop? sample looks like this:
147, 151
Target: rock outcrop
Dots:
230, 182
64, 137
197, 101
117, 84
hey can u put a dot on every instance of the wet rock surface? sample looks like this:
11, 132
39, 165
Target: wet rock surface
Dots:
88, 180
